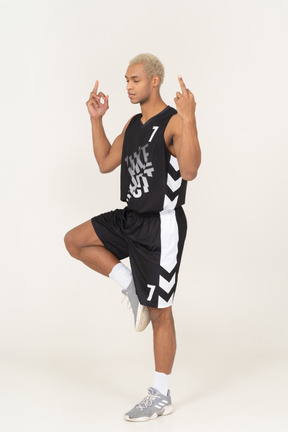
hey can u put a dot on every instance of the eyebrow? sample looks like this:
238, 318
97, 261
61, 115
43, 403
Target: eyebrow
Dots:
133, 76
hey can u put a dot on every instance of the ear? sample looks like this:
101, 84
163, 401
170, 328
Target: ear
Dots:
156, 81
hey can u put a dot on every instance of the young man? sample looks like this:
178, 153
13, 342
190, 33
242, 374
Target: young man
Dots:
158, 151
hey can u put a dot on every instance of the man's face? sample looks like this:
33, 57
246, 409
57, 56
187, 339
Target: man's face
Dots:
139, 86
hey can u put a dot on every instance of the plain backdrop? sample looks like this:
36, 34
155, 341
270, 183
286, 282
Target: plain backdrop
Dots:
231, 299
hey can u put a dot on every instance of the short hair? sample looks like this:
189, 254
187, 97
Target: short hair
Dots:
153, 65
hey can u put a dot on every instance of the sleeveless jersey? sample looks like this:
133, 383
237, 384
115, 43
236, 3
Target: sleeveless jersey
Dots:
150, 175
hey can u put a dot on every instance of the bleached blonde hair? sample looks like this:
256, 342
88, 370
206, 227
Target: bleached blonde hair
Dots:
153, 65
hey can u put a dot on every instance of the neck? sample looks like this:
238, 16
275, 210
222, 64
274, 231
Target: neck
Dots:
152, 107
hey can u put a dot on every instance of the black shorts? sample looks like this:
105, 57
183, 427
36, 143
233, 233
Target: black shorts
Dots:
154, 244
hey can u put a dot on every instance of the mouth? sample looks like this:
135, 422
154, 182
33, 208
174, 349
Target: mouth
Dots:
130, 95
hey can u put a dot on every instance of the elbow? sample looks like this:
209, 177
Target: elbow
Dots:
105, 170
188, 175
102, 167
102, 170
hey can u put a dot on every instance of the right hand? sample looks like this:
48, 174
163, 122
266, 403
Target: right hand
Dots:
97, 109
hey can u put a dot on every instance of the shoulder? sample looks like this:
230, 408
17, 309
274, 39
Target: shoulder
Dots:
173, 131
175, 124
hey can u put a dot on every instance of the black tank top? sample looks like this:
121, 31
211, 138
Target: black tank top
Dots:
150, 176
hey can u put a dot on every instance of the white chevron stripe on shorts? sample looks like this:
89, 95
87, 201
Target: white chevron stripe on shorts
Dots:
166, 285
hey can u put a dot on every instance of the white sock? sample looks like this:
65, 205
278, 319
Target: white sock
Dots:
121, 275
161, 382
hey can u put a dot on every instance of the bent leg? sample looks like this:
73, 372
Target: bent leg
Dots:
164, 338
83, 244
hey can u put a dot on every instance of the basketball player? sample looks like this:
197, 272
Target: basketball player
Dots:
158, 150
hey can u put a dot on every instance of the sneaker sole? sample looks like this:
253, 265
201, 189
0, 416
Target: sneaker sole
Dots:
167, 410
143, 318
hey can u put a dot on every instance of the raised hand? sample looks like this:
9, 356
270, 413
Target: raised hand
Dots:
95, 107
185, 103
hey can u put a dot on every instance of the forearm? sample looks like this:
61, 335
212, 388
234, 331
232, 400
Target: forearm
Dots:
189, 153
101, 145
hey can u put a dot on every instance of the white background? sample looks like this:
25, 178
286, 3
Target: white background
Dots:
68, 347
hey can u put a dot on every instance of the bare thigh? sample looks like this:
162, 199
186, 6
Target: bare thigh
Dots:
82, 235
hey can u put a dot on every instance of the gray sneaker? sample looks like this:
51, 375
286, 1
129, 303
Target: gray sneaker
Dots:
141, 313
153, 405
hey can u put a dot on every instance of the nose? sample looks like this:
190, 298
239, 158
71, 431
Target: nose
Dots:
129, 86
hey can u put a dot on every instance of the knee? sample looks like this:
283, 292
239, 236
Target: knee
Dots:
70, 244
160, 317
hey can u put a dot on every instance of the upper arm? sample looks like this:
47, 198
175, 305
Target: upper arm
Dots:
186, 161
113, 159
174, 132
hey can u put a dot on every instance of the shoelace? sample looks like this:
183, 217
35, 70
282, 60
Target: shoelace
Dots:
148, 400
126, 297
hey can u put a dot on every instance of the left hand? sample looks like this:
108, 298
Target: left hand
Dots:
185, 102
